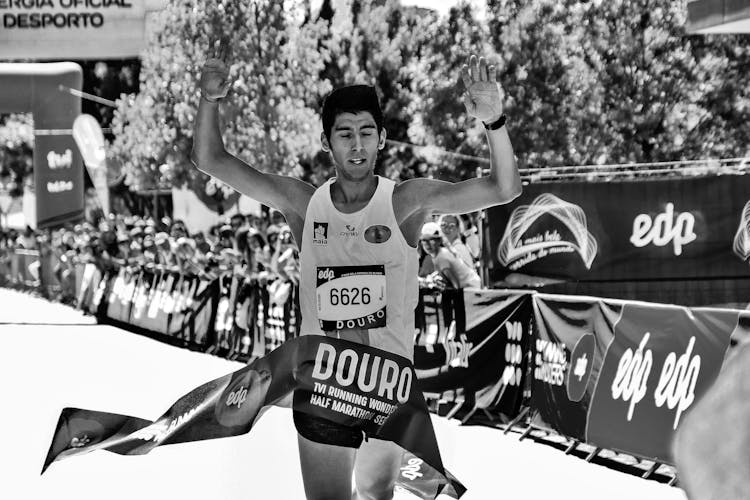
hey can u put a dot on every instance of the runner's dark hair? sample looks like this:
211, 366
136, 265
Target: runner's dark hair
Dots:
351, 99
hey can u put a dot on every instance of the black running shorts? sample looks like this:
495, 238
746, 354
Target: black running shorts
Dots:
324, 431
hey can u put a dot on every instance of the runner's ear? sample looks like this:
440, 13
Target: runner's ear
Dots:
325, 145
381, 142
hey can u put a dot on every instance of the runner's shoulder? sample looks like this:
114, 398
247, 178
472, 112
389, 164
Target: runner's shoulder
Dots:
293, 195
410, 196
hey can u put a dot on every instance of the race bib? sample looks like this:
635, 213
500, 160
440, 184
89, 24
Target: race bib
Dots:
351, 297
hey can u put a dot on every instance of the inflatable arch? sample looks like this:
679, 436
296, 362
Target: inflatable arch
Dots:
58, 167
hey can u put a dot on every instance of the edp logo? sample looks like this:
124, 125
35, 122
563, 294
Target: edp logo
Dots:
664, 228
325, 274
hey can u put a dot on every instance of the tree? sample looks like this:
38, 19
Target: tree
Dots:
618, 82
552, 110
16, 152
269, 118
440, 121
376, 43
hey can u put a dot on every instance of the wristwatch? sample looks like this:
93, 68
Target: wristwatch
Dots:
496, 124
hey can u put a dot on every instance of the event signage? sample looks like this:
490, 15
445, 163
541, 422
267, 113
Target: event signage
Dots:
660, 360
622, 375
348, 383
86, 29
89, 137
58, 177
566, 353
164, 303
681, 228
617, 374
486, 363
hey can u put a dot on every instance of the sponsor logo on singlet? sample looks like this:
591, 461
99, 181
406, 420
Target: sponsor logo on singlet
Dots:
320, 233
349, 232
377, 233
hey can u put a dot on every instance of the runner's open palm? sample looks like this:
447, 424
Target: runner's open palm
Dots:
214, 82
483, 97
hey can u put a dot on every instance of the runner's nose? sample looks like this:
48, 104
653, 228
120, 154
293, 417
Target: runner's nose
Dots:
357, 144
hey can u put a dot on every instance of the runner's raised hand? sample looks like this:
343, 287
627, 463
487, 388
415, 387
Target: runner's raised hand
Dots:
214, 82
483, 95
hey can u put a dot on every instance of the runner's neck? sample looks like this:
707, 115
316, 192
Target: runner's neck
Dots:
349, 197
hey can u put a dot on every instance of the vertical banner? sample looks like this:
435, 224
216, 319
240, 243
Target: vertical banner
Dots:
659, 362
58, 177
90, 140
485, 362
571, 334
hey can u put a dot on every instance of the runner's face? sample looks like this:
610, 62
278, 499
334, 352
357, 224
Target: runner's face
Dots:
354, 144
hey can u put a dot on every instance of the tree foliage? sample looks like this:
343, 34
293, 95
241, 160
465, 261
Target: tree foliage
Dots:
269, 119
16, 147
618, 81
586, 81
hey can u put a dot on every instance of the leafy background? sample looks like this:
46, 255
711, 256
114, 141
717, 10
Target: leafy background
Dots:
586, 82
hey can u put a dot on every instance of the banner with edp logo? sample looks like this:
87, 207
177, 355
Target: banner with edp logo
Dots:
345, 382
623, 375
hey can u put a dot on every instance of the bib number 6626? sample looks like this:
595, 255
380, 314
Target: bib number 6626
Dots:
349, 296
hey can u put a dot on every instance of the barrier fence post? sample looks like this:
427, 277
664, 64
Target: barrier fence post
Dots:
593, 454
515, 421
651, 470
572, 446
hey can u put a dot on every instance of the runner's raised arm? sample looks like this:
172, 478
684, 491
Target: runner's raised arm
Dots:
483, 98
286, 194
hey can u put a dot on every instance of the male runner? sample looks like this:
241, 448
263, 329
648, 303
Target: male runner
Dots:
363, 229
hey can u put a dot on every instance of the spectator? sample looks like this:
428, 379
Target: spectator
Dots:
261, 254
451, 227
164, 252
236, 222
27, 240
201, 244
285, 260
452, 269
471, 235
178, 229
226, 239
272, 235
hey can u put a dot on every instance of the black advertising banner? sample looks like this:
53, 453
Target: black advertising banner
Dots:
659, 362
348, 383
486, 363
167, 303
687, 228
567, 351
58, 177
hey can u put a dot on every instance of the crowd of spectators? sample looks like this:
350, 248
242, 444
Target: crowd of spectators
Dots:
260, 248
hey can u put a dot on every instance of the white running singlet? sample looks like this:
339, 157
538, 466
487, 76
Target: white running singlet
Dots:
358, 272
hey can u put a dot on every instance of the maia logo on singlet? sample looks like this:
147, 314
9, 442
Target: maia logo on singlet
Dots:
320, 233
